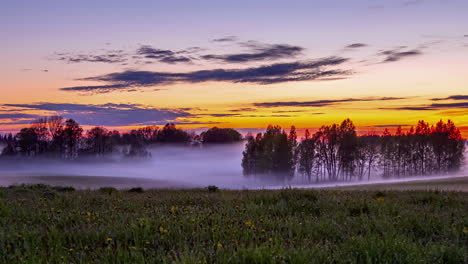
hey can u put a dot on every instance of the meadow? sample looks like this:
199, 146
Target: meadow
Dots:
44, 224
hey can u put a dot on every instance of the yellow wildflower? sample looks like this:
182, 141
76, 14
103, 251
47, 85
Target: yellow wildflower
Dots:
109, 239
249, 223
465, 230
380, 199
71, 249
219, 245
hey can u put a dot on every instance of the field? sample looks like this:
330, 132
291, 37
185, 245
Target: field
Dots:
43, 224
447, 184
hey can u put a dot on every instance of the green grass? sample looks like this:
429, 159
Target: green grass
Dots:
41, 224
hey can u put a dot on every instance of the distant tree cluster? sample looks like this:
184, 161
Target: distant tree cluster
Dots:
337, 153
220, 135
270, 153
58, 138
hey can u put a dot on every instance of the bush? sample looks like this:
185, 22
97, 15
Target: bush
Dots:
108, 190
136, 190
64, 188
212, 188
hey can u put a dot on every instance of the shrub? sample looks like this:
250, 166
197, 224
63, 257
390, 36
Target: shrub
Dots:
108, 190
64, 188
212, 188
136, 190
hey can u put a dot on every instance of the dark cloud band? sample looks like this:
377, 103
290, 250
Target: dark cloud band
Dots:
269, 74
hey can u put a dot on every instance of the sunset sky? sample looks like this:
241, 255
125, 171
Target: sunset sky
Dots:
240, 64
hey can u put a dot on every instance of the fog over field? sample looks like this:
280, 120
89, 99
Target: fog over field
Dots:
168, 167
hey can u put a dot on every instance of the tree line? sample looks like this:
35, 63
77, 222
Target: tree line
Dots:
336, 153
65, 139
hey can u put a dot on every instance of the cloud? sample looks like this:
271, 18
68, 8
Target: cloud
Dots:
107, 114
214, 115
260, 52
356, 46
243, 109
17, 118
113, 56
267, 74
165, 56
225, 39
452, 97
197, 122
397, 54
451, 105
322, 103
100, 88
430, 107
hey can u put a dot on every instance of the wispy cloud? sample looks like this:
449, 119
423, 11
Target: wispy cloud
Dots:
163, 55
322, 103
268, 74
356, 45
226, 39
452, 97
104, 114
399, 54
113, 56
259, 52
430, 107
13, 118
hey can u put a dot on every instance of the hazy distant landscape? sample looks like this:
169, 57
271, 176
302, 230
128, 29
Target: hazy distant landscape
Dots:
51, 152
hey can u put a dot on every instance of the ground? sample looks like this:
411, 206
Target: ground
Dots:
43, 224
447, 184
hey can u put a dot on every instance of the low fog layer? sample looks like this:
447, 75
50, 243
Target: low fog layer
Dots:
168, 167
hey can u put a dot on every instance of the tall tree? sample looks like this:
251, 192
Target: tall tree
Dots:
72, 134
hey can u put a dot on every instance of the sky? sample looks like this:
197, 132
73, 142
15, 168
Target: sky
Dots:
240, 64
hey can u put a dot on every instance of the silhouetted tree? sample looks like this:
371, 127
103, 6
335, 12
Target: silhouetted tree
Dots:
27, 141
71, 133
220, 135
306, 156
270, 153
99, 141
171, 134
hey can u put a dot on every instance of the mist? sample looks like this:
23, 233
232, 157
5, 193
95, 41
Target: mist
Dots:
168, 167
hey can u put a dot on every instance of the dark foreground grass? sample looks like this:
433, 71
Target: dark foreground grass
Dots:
41, 224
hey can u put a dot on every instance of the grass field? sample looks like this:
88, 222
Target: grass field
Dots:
446, 184
42, 224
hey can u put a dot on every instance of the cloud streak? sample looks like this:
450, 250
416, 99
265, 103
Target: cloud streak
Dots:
165, 56
430, 107
452, 97
260, 52
225, 39
267, 74
115, 56
322, 103
356, 46
107, 114
397, 54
